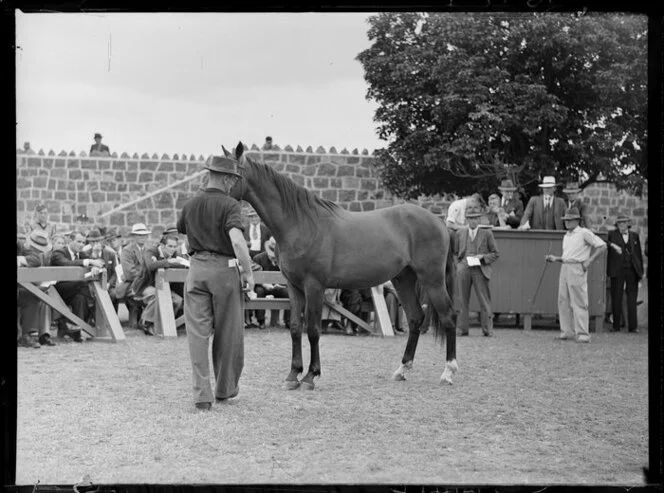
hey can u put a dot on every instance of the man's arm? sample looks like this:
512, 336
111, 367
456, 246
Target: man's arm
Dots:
59, 259
130, 264
493, 254
242, 254
528, 213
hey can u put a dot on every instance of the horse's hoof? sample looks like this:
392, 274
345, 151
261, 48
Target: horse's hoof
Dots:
306, 385
291, 385
446, 379
398, 377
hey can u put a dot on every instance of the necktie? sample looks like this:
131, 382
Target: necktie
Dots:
254, 232
547, 203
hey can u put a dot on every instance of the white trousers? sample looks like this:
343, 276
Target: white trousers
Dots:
573, 300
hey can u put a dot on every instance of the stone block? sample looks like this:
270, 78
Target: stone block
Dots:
345, 170
335, 182
117, 219
104, 165
362, 195
133, 217
362, 172
182, 199
52, 184
278, 167
59, 173
71, 185
321, 182
60, 195
368, 206
292, 168
92, 186
369, 185
604, 200
308, 183
166, 166
164, 200
181, 167
153, 218
130, 176
71, 196
296, 159
149, 165
34, 162
144, 205
39, 181
355, 206
132, 165
326, 169
108, 186
122, 187
330, 195
88, 164
136, 187
313, 159
309, 170
80, 185
317, 193
146, 177
167, 216
299, 179
351, 182
346, 195
23, 183
119, 165
98, 197
639, 212
48, 163
46, 195
353, 160
60, 163
161, 178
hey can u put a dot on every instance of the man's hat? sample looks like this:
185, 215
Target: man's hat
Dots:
112, 233
41, 207
252, 212
623, 219
139, 229
220, 164
94, 235
38, 239
474, 212
170, 230
507, 186
98, 136
547, 182
572, 187
572, 213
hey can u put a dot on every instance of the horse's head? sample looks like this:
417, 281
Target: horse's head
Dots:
239, 189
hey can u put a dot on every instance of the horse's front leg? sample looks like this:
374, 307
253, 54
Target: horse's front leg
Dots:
404, 283
296, 324
312, 315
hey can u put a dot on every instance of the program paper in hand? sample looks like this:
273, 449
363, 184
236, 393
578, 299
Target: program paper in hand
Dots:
473, 261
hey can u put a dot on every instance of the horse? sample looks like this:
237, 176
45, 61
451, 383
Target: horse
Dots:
322, 245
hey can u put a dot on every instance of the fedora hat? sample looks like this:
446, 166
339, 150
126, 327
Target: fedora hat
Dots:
94, 235
507, 186
548, 181
571, 187
170, 230
139, 229
474, 212
220, 164
98, 136
252, 213
112, 233
572, 213
623, 219
38, 239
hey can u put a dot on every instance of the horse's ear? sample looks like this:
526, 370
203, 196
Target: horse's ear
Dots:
226, 153
239, 150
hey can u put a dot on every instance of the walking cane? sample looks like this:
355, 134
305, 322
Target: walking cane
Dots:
539, 284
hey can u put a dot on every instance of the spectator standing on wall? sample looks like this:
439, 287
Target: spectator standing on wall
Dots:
27, 149
625, 268
573, 192
213, 297
578, 243
268, 143
41, 223
99, 149
477, 251
511, 203
544, 211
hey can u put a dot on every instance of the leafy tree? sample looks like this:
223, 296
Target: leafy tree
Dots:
466, 100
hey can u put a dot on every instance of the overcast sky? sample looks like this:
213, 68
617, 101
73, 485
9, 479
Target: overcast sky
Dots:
187, 83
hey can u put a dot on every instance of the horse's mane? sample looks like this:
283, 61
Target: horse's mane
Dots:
297, 200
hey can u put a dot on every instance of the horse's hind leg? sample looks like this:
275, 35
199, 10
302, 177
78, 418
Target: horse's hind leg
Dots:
444, 320
297, 367
312, 314
405, 285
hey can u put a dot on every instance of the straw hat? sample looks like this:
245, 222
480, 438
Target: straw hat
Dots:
572, 187
170, 230
622, 219
38, 239
139, 229
547, 182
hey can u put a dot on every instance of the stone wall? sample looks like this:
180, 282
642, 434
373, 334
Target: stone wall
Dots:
71, 184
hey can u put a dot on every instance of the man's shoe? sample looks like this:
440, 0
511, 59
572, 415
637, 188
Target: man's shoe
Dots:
75, 335
488, 333
261, 326
203, 406
28, 341
224, 399
148, 328
459, 332
583, 339
564, 337
45, 340
635, 331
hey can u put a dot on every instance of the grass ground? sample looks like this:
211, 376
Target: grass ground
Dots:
524, 409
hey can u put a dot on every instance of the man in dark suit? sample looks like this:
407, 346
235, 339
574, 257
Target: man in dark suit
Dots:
544, 211
269, 261
573, 192
625, 268
512, 205
256, 234
74, 293
476, 252
99, 149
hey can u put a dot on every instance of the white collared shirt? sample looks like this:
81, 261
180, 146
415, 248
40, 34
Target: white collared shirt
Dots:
472, 233
578, 243
255, 237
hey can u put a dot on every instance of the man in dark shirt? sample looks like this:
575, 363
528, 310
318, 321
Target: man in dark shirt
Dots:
269, 262
213, 298
99, 149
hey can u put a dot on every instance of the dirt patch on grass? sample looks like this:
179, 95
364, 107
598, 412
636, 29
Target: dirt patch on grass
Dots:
524, 409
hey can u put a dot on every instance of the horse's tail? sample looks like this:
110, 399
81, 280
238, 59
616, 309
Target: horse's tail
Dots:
450, 283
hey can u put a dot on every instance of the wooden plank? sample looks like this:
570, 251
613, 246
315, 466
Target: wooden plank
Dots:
382, 315
342, 311
179, 321
109, 318
54, 300
41, 274
267, 304
165, 323
527, 321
